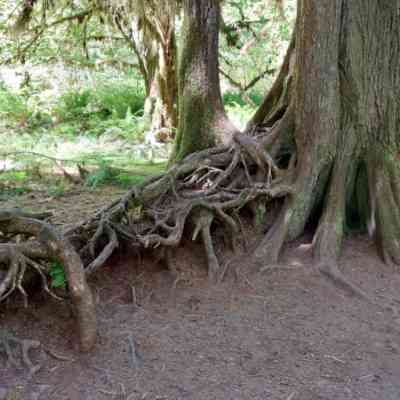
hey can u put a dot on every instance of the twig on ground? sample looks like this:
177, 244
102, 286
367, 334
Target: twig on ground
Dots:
136, 360
134, 297
58, 356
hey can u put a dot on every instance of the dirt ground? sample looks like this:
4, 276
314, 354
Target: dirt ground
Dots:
282, 333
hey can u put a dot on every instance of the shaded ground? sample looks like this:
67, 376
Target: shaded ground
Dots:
284, 333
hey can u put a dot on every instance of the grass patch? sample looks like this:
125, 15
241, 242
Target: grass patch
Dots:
105, 174
13, 184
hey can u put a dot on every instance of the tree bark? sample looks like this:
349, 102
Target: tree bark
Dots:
202, 119
346, 94
153, 42
161, 81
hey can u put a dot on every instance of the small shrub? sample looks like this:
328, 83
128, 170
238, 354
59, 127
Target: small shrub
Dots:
107, 108
129, 128
73, 105
103, 176
118, 99
233, 98
14, 108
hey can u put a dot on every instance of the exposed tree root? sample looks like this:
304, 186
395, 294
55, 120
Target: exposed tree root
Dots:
17, 224
332, 272
383, 179
203, 224
9, 341
205, 189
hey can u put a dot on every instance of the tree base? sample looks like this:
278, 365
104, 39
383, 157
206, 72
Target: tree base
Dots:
205, 190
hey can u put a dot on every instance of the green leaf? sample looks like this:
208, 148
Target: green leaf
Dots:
57, 275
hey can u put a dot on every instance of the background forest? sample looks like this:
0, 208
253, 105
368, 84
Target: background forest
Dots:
73, 93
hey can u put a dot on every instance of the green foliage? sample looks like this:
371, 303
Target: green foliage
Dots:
14, 108
73, 104
239, 109
13, 183
105, 174
13, 177
57, 190
113, 100
254, 39
130, 128
119, 100
127, 180
18, 110
240, 115
102, 176
76, 102
114, 109
10, 192
57, 274
231, 98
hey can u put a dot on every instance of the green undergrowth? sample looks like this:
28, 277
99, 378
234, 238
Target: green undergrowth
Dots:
106, 174
14, 184
105, 106
240, 108
112, 108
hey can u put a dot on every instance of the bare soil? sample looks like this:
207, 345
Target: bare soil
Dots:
283, 333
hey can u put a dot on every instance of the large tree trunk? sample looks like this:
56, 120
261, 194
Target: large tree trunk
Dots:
346, 113
202, 119
343, 113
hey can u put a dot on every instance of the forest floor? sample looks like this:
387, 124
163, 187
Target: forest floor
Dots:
283, 333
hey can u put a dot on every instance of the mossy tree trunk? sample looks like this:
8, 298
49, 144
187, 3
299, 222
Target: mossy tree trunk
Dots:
154, 45
202, 119
346, 118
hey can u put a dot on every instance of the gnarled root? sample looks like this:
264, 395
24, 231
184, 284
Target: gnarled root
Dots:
206, 188
52, 246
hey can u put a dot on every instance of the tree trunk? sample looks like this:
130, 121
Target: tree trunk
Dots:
202, 119
159, 58
346, 96
155, 48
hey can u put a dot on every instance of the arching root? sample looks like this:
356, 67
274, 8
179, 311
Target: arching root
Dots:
52, 246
